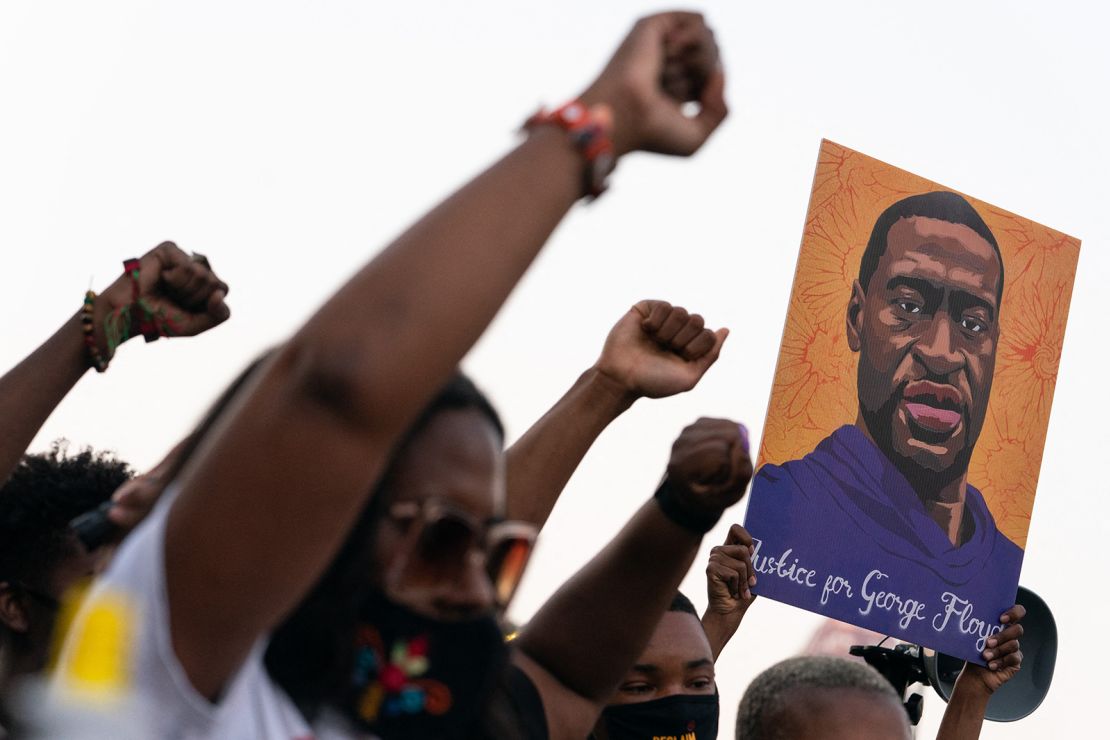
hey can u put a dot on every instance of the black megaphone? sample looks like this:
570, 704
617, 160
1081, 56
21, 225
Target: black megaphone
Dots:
1023, 693
906, 664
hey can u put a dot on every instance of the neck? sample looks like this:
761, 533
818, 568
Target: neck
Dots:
948, 510
943, 498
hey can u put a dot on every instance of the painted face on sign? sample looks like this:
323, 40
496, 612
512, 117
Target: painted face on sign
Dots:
926, 329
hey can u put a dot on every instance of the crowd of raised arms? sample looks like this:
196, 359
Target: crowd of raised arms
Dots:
330, 552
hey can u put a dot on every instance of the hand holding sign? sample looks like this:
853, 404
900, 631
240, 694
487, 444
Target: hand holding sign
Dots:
1003, 653
730, 575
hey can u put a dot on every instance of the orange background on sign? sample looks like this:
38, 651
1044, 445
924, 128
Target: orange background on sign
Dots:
814, 389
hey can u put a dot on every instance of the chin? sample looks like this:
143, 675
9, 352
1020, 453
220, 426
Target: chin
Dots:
928, 455
927, 459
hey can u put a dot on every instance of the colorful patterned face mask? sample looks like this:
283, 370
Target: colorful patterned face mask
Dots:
419, 677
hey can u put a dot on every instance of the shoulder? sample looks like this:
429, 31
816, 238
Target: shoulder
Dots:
566, 714
804, 471
1005, 550
127, 612
975, 499
516, 708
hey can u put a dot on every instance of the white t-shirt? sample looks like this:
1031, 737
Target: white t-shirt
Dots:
160, 695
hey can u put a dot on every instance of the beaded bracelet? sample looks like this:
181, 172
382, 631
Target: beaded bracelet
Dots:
96, 360
590, 130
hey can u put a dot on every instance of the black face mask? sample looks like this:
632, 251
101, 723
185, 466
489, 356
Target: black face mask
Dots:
419, 677
680, 717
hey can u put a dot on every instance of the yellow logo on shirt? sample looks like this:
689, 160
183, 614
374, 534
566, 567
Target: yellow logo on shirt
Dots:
96, 664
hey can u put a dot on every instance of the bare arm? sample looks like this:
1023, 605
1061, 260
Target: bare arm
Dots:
963, 717
274, 490
584, 639
654, 350
729, 578
31, 390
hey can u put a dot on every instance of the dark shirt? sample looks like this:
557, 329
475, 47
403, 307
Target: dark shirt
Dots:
845, 510
515, 710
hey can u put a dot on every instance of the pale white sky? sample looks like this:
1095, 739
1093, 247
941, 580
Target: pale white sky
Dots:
291, 140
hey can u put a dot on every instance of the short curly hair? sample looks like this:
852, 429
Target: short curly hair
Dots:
767, 696
44, 493
941, 205
681, 603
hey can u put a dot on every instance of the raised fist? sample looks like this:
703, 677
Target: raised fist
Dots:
658, 350
710, 468
667, 60
174, 294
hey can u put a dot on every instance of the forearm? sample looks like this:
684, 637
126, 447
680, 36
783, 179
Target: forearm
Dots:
540, 463
31, 390
963, 717
595, 626
719, 629
397, 330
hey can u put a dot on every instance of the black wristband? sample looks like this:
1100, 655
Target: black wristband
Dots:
698, 522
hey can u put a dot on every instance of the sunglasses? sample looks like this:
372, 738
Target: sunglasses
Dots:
441, 539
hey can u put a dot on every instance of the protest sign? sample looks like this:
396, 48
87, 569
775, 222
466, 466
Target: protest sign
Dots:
903, 440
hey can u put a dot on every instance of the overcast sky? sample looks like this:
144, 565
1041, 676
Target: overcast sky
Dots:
289, 141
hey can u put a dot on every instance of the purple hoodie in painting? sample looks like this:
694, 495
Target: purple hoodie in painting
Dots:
840, 532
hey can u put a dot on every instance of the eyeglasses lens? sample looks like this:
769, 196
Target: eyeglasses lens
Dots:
506, 566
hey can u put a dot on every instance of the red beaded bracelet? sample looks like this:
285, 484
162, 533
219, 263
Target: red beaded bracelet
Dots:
590, 129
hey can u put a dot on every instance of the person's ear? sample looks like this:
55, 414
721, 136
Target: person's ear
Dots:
854, 317
13, 611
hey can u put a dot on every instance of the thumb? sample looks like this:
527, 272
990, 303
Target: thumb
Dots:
217, 308
714, 109
711, 356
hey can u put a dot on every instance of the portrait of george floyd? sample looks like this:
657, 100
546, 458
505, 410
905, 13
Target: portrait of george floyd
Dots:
903, 439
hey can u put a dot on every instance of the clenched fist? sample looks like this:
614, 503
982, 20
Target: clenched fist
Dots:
667, 60
709, 470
